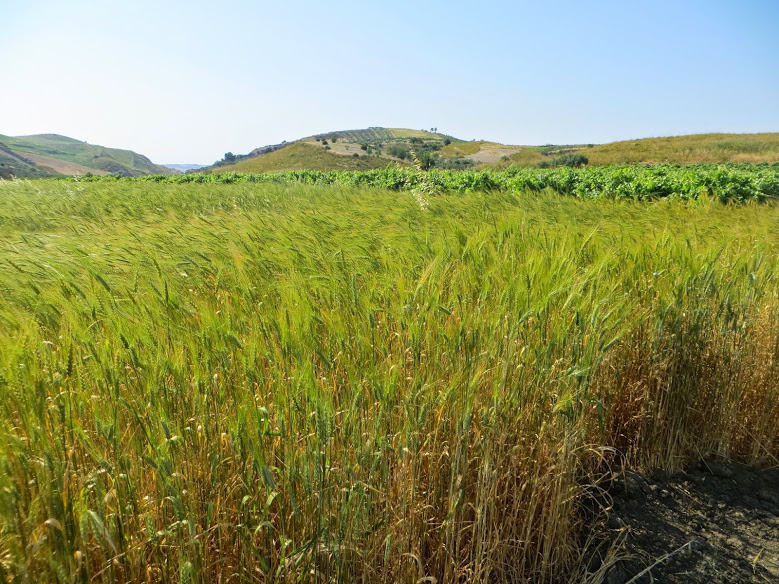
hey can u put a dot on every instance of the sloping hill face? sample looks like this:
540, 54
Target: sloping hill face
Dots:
344, 150
699, 148
303, 156
692, 149
62, 167
60, 155
13, 165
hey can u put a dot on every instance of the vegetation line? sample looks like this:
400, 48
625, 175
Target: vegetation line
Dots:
726, 182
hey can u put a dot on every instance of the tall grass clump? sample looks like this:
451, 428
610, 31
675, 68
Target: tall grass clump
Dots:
281, 382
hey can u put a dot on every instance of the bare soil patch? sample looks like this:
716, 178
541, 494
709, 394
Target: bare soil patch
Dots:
715, 523
491, 154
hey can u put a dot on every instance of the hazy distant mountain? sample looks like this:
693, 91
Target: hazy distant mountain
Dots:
184, 167
45, 155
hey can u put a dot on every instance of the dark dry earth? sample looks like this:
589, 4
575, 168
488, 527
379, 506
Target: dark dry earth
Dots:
719, 523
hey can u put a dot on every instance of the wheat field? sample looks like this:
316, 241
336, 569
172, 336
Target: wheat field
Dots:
246, 382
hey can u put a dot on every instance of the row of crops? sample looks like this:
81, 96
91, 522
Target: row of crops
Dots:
728, 183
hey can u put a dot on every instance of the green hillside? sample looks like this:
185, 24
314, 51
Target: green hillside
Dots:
53, 155
12, 164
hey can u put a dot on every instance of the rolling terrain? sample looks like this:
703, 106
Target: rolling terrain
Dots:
52, 155
378, 147
49, 155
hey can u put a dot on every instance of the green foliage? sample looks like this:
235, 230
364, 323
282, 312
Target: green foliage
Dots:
728, 183
570, 160
454, 163
426, 159
401, 151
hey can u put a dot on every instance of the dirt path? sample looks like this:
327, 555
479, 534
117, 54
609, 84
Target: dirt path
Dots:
719, 523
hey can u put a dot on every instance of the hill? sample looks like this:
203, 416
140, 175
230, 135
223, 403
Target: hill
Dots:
692, 149
302, 155
377, 147
699, 148
45, 155
12, 164
340, 150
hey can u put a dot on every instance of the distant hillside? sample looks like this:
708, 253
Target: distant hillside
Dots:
301, 155
54, 155
12, 164
692, 149
184, 167
377, 147
339, 150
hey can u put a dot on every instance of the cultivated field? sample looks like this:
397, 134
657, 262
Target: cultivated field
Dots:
272, 381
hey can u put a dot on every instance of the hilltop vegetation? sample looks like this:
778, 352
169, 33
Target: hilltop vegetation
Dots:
53, 155
279, 382
377, 147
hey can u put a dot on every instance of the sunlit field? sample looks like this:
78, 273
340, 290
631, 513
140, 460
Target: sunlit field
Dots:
281, 382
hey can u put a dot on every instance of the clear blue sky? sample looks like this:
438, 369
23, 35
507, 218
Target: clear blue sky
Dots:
188, 81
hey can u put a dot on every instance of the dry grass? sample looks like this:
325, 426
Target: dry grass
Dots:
694, 149
702, 148
461, 149
525, 158
305, 156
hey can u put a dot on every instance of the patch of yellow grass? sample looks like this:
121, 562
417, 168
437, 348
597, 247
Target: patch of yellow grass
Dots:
303, 156
701, 148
